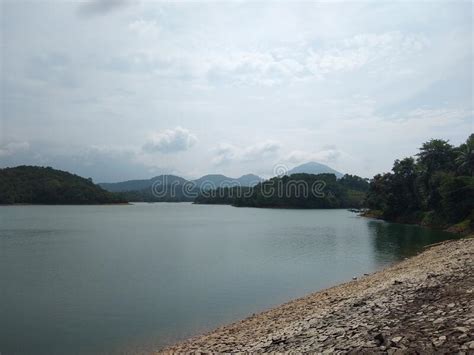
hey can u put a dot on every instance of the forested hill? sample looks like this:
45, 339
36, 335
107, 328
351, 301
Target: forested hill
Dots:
294, 191
41, 185
434, 188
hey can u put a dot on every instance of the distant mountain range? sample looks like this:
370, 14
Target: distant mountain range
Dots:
33, 184
137, 185
212, 181
205, 182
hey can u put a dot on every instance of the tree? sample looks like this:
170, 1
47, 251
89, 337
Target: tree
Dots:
465, 157
436, 155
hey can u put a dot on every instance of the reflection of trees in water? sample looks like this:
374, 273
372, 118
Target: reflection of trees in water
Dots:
393, 241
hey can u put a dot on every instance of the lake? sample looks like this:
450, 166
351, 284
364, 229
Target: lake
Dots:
132, 278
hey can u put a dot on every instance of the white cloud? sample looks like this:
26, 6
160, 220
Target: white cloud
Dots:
226, 153
377, 81
145, 28
436, 117
353, 53
171, 141
328, 155
13, 147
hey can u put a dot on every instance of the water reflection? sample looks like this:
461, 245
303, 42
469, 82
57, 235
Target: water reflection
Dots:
393, 241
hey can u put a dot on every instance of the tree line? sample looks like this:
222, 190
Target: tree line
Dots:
435, 187
294, 191
45, 185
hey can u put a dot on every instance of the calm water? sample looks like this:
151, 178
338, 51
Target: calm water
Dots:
108, 279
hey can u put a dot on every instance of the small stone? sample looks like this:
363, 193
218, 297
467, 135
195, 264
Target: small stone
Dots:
470, 345
462, 329
438, 342
438, 321
451, 305
396, 340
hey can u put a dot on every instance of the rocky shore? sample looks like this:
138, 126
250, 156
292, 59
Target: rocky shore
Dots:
421, 305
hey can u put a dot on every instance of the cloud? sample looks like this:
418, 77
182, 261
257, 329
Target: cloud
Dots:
144, 28
226, 153
102, 163
54, 68
12, 148
329, 154
353, 53
102, 7
437, 116
278, 65
171, 141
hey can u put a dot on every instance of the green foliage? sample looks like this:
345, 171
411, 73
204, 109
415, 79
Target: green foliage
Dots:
465, 157
436, 188
295, 191
39, 185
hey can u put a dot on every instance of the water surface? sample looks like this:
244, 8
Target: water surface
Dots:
108, 279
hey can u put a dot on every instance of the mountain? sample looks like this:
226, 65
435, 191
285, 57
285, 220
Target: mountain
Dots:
212, 181
249, 180
315, 169
207, 182
40, 185
295, 191
138, 185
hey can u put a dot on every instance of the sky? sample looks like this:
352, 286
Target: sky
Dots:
126, 89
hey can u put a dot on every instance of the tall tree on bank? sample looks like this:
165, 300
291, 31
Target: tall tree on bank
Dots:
437, 187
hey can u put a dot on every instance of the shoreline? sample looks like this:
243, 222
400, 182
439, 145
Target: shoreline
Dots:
424, 303
450, 228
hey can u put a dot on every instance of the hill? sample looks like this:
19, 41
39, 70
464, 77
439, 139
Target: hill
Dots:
294, 191
171, 188
41, 185
315, 169
213, 181
138, 185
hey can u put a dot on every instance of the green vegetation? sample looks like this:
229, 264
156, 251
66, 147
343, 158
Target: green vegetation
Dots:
294, 191
39, 185
435, 188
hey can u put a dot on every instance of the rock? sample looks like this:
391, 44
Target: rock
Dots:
438, 321
451, 305
438, 342
380, 339
394, 341
461, 329
470, 345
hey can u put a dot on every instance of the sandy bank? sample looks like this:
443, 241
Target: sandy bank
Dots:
423, 304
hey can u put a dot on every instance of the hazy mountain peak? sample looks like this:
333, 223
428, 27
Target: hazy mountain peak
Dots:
314, 168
